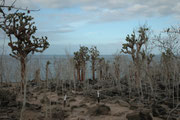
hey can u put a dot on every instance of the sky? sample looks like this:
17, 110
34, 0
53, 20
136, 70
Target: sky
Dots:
103, 23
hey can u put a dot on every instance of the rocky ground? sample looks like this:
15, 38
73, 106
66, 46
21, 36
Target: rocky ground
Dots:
43, 104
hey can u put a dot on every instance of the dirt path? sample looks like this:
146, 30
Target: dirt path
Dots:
78, 107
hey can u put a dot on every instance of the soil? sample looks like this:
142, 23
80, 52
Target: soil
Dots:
42, 104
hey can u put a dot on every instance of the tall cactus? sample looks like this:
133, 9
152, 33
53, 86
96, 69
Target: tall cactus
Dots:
21, 30
134, 47
80, 58
94, 54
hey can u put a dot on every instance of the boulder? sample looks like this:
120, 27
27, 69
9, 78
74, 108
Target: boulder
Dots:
99, 110
33, 107
133, 107
7, 97
111, 92
58, 114
158, 110
122, 103
45, 100
92, 82
52, 87
139, 116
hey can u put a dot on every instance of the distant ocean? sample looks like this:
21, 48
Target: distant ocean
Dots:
59, 63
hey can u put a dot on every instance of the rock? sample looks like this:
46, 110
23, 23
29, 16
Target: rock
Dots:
29, 95
58, 114
99, 110
81, 118
169, 104
133, 116
19, 104
9, 114
83, 106
139, 116
173, 118
73, 107
161, 86
158, 110
5, 117
111, 92
15, 115
54, 102
133, 107
4, 103
122, 103
33, 107
52, 87
45, 100
7, 97
120, 113
13, 104
72, 100
92, 82
145, 115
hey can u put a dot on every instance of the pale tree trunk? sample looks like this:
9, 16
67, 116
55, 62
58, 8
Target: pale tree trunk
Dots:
84, 72
37, 76
82, 76
2, 55
74, 78
23, 84
117, 74
46, 106
93, 70
23, 72
1, 71
101, 74
78, 73
138, 78
1, 68
47, 76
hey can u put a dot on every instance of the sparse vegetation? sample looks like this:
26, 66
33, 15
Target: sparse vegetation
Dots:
81, 57
94, 53
132, 84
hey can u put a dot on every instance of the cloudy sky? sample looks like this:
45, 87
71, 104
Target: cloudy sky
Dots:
104, 23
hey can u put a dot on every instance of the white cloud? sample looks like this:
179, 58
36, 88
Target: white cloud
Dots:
108, 10
90, 8
137, 8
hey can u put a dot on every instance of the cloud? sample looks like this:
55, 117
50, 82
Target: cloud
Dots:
107, 10
90, 8
22, 4
59, 30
